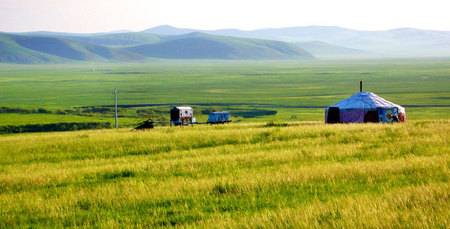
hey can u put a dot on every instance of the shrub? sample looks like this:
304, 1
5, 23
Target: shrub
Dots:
43, 111
272, 124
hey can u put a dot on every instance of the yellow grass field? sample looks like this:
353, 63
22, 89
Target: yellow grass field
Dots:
305, 174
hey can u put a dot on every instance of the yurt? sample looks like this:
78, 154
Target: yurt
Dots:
364, 107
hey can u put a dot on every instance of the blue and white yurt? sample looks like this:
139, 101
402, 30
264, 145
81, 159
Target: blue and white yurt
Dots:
364, 107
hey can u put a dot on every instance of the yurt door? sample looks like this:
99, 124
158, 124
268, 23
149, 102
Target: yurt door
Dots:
333, 115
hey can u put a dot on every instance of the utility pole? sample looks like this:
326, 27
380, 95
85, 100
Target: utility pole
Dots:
115, 105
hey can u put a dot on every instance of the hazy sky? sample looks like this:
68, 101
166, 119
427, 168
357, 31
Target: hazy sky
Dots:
86, 16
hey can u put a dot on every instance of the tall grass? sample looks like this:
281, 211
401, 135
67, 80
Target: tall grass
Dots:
303, 174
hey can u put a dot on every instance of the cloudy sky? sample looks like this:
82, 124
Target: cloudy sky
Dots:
87, 16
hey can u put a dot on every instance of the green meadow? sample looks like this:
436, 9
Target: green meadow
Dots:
252, 175
314, 83
276, 165
250, 90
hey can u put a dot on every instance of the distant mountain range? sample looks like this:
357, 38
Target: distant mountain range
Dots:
168, 42
119, 47
397, 42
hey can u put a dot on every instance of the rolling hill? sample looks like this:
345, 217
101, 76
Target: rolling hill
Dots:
402, 41
203, 46
185, 43
12, 52
41, 48
44, 49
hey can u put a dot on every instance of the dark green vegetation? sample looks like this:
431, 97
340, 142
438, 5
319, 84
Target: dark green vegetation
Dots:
250, 90
8, 129
18, 120
293, 174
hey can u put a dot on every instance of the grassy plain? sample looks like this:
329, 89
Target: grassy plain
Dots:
306, 174
250, 174
316, 83
278, 86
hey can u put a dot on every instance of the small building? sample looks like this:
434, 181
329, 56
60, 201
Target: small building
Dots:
219, 117
364, 107
182, 115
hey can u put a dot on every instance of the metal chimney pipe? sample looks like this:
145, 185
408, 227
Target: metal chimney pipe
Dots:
360, 86
115, 106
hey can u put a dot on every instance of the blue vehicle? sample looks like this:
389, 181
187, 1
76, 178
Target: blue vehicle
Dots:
219, 117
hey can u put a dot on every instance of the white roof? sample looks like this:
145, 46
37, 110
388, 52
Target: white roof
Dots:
366, 101
184, 108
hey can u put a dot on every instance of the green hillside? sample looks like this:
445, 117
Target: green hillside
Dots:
43, 49
11, 52
203, 46
27, 49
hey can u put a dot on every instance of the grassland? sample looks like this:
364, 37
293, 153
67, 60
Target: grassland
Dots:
306, 174
406, 82
297, 172
283, 87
